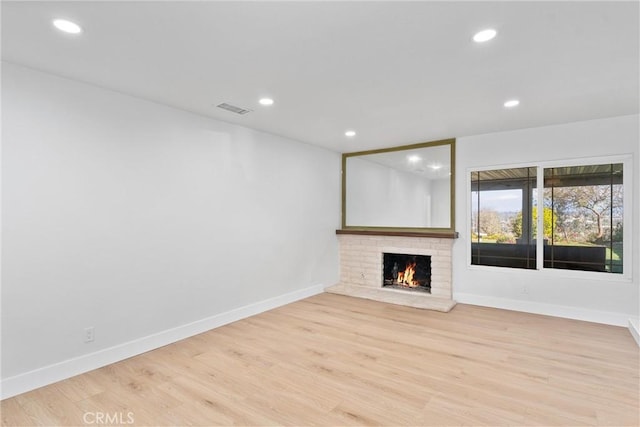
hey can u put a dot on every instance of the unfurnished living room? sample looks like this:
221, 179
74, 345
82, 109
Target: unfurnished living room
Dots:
331, 213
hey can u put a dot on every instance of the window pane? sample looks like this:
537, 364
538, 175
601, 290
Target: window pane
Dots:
502, 225
585, 206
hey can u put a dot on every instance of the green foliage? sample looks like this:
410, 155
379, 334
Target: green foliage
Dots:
504, 238
516, 225
549, 222
618, 233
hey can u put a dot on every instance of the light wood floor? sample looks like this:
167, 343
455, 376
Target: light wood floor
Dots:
336, 360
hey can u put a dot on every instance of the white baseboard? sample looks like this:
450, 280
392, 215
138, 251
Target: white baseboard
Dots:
605, 317
634, 328
40, 377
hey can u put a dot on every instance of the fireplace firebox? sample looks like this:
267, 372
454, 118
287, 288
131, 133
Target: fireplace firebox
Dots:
408, 272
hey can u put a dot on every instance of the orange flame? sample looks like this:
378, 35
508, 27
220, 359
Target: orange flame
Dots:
406, 277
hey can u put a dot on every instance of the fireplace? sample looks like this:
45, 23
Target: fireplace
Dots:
407, 272
362, 259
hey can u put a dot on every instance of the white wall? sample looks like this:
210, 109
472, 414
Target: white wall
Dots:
135, 218
602, 299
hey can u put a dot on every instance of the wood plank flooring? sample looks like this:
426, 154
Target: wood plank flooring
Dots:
333, 360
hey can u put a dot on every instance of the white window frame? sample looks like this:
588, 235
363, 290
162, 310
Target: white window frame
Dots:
627, 218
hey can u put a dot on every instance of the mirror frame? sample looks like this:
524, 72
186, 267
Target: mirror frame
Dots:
426, 230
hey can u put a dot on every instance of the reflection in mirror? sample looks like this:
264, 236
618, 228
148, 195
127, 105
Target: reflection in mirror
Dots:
403, 187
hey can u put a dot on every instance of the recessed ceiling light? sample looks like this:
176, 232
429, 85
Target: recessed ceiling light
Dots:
435, 167
266, 101
414, 158
512, 103
350, 133
67, 26
484, 35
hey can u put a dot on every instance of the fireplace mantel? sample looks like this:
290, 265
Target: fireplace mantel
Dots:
444, 235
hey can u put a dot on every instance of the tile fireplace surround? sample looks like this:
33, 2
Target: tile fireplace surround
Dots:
361, 268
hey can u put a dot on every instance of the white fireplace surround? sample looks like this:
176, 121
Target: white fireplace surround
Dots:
361, 269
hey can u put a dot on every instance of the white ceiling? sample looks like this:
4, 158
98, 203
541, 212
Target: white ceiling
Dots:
396, 72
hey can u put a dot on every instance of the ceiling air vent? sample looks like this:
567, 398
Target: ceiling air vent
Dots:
233, 108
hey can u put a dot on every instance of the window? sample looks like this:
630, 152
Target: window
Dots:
503, 213
587, 226
581, 222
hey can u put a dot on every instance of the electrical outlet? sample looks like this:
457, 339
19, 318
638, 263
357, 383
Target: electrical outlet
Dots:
89, 334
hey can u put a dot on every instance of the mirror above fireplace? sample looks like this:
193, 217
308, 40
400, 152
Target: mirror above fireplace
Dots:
408, 188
